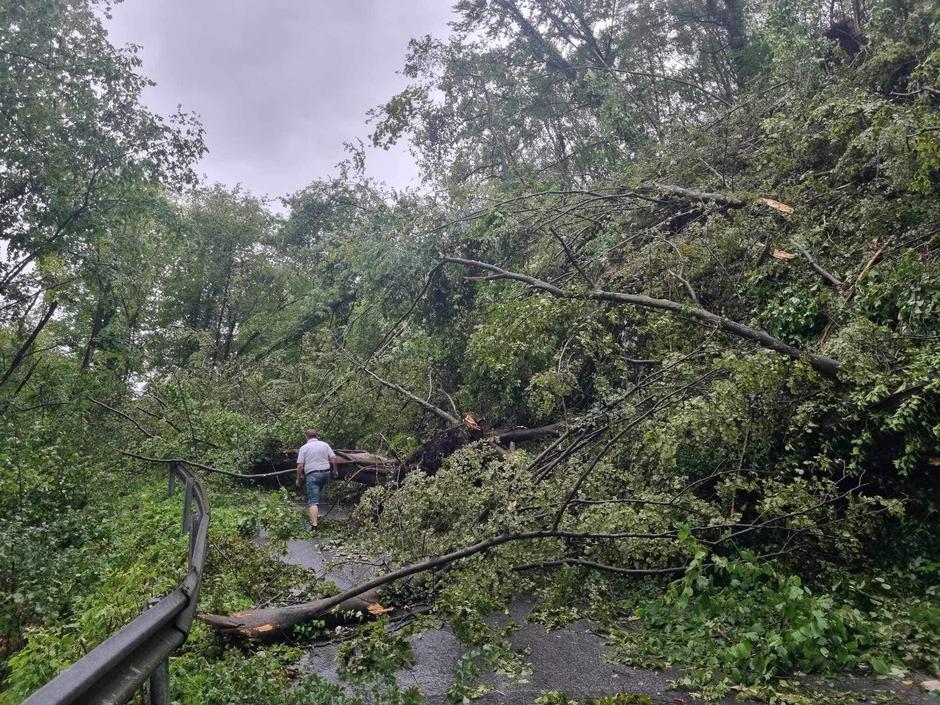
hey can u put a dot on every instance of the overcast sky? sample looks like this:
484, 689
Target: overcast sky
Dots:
279, 84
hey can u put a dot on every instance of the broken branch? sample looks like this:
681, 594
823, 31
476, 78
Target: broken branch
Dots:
826, 366
428, 406
122, 415
829, 278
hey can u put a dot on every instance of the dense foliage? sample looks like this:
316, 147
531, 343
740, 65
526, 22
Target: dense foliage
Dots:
695, 242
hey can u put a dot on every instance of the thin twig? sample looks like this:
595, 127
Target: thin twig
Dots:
123, 415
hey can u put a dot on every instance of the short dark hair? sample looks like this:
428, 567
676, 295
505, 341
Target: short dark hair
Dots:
310, 433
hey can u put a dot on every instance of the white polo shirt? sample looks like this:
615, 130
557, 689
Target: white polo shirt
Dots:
315, 456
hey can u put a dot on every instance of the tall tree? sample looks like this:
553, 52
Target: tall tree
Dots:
77, 148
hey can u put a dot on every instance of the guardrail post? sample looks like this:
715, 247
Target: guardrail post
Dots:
171, 484
158, 686
187, 506
192, 536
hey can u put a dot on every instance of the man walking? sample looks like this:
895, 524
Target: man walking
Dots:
314, 462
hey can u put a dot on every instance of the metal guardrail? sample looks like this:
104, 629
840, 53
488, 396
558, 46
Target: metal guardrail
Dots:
139, 652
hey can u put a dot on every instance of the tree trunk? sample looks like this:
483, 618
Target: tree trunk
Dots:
226, 292
24, 348
97, 323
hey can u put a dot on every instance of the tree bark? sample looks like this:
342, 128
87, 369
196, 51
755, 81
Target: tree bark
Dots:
277, 621
98, 322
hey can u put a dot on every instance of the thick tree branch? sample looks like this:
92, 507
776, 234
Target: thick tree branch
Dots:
695, 196
23, 351
824, 365
262, 623
517, 435
349, 457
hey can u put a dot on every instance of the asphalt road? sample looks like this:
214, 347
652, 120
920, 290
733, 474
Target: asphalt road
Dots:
572, 659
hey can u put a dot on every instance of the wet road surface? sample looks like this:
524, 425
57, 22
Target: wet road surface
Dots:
572, 659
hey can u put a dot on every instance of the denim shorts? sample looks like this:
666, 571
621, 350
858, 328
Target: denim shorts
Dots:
315, 482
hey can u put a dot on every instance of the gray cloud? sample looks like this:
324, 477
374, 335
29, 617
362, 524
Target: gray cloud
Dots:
279, 84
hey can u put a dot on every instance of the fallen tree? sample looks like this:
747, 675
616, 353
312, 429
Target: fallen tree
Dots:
368, 468
276, 621
721, 538
826, 366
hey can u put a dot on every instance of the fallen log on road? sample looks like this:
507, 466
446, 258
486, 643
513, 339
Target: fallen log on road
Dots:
355, 465
275, 621
371, 469
247, 625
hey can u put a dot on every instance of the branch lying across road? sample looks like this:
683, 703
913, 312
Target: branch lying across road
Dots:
274, 621
826, 366
360, 458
